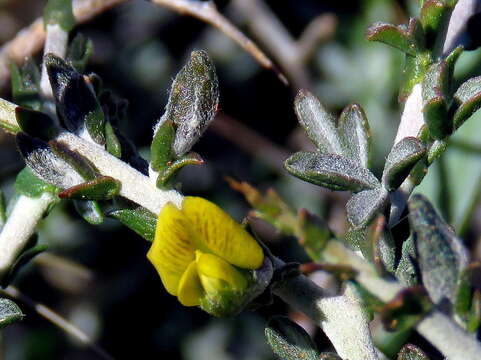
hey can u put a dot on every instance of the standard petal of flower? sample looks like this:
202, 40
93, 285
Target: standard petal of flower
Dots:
218, 275
171, 252
214, 231
190, 288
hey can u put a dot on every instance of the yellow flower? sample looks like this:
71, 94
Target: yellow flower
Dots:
203, 256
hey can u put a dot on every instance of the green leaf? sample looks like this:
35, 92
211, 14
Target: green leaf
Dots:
413, 72
193, 101
313, 233
3, 210
9, 312
466, 297
161, 151
319, 124
166, 175
289, 341
76, 102
332, 171
102, 188
112, 142
434, 17
406, 269
436, 93
411, 352
59, 12
354, 130
30, 185
468, 100
407, 39
90, 211
25, 85
79, 52
441, 255
365, 205
400, 161
36, 124
140, 220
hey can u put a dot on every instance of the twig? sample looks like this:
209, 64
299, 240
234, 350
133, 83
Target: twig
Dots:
207, 12
20, 226
250, 141
57, 320
412, 117
289, 53
30, 40
437, 328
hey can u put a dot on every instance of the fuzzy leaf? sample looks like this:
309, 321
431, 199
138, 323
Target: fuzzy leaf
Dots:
355, 133
75, 100
102, 188
401, 37
441, 255
46, 164
333, 171
411, 352
79, 52
140, 220
25, 85
400, 161
30, 185
319, 124
9, 312
8, 118
161, 151
363, 206
434, 16
166, 175
59, 12
36, 124
90, 211
112, 142
436, 96
193, 101
289, 341
406, 269
468, 99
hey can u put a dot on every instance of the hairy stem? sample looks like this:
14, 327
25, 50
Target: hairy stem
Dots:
20, 226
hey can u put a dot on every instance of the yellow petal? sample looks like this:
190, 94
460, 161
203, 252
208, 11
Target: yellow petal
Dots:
190, 288
171, 252
214, 231
218, 275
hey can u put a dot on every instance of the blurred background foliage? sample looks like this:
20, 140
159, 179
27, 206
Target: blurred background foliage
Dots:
99, 278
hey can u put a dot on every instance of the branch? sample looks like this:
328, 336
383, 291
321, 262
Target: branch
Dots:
207, 12
289, 53
437, 328
20, 226
57, 320
30, 40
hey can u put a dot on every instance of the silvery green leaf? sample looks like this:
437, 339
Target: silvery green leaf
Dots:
400, 161
319, 124
90, 211
468, 99
354, 130
411, 352
441, 255
9, 312
333, 171
45, 164
25, 85
76, 101
289, 341
59, 12
193, 101
363, 206
406, 269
